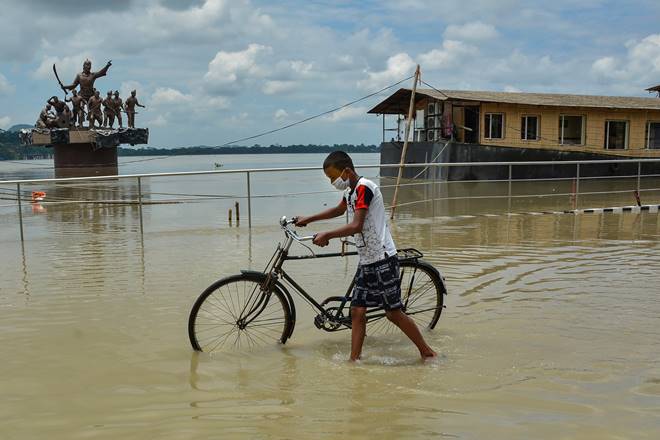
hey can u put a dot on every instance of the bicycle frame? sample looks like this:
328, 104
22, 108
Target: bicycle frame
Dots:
274, 272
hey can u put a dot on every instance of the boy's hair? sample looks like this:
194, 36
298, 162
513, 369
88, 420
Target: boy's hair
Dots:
338, 160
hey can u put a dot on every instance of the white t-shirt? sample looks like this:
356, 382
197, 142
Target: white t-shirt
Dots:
375, 242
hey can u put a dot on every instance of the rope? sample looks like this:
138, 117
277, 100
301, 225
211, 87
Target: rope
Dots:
315, 116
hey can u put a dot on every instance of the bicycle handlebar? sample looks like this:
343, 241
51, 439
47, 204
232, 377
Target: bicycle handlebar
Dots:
286, 223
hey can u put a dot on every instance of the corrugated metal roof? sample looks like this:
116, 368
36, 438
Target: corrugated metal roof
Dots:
398, 102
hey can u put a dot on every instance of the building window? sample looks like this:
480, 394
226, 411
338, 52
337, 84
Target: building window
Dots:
571, 130
616, 135
494, 126
653, 135
529, 128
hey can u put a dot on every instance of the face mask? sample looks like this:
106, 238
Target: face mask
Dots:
340, 183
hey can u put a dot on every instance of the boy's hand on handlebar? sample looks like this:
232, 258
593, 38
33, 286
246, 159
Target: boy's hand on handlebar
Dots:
321, 239
301, 221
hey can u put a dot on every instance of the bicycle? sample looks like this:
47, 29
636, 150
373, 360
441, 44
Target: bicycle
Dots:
256, 308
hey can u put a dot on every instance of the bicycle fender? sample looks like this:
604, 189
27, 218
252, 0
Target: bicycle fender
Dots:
436, 273
278, 285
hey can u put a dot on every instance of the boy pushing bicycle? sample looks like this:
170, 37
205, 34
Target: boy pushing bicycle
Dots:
377, 277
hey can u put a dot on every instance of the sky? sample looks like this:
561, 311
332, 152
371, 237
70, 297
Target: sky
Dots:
212, 71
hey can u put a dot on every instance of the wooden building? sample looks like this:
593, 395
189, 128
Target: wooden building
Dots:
506, 126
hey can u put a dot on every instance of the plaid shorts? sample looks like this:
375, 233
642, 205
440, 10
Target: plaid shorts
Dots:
377, 285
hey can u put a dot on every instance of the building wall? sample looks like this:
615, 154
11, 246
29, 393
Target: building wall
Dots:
549, 128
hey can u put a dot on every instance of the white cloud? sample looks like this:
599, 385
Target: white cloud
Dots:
511, 89
473, 31
67, 67
640, 66
276, 87
348, 114
159, 121
281, 115
227, 71
168, 95
398, 67
5, 86
450, 55
5, 122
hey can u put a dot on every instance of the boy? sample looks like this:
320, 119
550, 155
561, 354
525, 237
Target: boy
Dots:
377, 277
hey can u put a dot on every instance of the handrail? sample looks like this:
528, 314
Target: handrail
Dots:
315, 168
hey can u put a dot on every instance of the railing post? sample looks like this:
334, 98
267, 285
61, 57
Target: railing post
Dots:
249, 200
639, 176
139, 182
577, 185
20, 209
510, 176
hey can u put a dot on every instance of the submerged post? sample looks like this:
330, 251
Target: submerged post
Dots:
139, 182
411, 109
20, 209
510, 175
249, 200
577, 186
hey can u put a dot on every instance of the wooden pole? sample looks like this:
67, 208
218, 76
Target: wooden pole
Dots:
229, 216
238, 213
405, 140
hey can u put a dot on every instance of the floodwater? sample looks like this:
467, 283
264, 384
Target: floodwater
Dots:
550, 331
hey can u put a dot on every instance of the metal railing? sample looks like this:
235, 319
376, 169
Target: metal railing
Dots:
248, 172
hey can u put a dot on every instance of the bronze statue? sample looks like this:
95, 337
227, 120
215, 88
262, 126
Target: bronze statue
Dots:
131, 103
78, 108
94, 113
65, 119
108, 111
118, 107
57, 105
46, 118
86, 79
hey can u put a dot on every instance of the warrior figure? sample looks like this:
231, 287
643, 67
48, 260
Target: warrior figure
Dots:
131, 103
46, 118
57, 105
94, 113
86, 79
78, 108
108, 111
119, 107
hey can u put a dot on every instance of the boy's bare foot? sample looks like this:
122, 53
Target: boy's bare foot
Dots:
429, 355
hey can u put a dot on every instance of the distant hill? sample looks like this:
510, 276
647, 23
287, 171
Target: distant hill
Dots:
19, 127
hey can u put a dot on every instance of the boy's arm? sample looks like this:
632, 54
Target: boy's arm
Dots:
323, 215
354, 227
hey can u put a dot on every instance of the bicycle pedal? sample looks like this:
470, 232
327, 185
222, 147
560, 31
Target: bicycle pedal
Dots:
319, 321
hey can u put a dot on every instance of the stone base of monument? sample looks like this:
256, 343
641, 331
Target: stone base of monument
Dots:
82, 152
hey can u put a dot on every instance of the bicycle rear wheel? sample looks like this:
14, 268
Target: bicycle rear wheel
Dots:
422, 295
235, 313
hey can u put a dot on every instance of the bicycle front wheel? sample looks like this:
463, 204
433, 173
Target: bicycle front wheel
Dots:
236, 313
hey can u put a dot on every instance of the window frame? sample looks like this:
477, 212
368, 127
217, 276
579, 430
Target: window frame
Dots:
583, 131
647, 134
626, 139
538, 126
489, 130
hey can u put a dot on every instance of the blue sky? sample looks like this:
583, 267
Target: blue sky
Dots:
216, 70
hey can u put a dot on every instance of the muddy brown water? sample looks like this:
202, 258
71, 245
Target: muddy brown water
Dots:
550, 331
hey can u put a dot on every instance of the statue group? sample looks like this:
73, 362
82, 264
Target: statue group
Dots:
87, 104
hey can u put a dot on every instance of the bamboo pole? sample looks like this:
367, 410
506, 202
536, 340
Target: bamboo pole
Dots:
405, 140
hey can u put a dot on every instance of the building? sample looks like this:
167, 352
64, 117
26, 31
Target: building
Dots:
474, 126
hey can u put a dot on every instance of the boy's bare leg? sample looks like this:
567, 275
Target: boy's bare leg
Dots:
408, 326
358, 330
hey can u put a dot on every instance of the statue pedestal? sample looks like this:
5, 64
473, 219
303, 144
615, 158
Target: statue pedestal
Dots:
80, 160
83, 152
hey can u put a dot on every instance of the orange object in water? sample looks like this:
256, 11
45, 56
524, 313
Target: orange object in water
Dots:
38, 196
